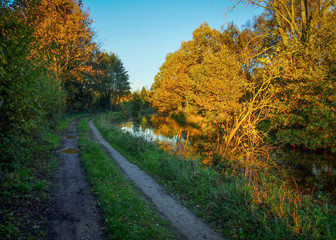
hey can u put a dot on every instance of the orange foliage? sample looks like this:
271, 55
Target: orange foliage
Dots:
208, 82
64, 36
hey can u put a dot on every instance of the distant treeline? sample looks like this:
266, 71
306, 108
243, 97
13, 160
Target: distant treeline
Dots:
49, 64
275, 75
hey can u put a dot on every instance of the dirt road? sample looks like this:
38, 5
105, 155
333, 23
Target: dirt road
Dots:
74, 213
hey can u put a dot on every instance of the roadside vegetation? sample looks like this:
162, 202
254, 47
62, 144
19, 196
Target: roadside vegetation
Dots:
24, 194
127, 214
263, 207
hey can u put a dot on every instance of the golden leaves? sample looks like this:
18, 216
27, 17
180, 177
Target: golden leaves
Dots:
64, 38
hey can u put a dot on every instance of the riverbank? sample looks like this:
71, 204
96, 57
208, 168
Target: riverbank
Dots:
263, 207
306, 171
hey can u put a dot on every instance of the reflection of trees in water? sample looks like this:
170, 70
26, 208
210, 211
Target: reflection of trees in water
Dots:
311, 170
167, 132
186, 135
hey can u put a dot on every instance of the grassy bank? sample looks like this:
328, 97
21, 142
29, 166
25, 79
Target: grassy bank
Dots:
263, 207
127, 215
24, 190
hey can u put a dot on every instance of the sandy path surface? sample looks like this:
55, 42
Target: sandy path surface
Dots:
182, 219
74, 213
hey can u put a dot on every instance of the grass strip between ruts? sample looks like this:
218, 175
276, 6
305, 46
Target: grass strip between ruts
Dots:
127, 215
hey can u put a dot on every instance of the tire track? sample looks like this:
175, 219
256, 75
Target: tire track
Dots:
74, 213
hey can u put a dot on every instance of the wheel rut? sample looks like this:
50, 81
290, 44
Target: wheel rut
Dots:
190, 226
74, 213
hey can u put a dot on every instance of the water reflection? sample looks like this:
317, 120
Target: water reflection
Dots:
164, 130
146, 129
311, 171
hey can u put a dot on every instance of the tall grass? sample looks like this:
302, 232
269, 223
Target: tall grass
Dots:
262, 207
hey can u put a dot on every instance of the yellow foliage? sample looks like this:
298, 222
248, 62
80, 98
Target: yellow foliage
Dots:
208, 80
64, 36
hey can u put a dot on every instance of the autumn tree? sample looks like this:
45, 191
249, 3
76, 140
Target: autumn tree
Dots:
144, 96
233, 105
220, 81
305, 49
65, 46
173, 83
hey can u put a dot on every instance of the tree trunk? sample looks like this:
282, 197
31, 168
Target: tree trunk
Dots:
282, 31
304, 17
187, 140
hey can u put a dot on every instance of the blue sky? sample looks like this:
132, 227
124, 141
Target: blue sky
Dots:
143, 32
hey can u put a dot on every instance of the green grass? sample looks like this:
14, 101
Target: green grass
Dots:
24, 195
64, 123
52, 139
83, 126
127, 215
259, 208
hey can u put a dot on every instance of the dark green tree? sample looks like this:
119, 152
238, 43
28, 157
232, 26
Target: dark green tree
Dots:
114, 81
30, 98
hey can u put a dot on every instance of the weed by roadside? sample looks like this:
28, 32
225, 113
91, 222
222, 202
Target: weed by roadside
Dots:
126, 213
